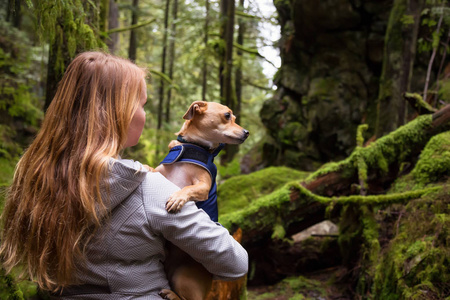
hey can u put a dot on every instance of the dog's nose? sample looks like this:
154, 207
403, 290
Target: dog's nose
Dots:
246, 133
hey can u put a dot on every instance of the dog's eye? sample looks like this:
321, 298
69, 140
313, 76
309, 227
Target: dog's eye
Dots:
227, 116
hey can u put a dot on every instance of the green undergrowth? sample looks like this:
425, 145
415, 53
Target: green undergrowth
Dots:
239, 191
6, 174
291, 288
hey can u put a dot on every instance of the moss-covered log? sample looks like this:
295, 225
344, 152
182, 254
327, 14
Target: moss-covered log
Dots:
386, 158
293, 208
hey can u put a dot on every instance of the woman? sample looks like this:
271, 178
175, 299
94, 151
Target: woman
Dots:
82, 222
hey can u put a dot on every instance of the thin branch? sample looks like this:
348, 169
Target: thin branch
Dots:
441, 65
430, 64
165, 78
243, 14
254, 52
248, 82
115, 30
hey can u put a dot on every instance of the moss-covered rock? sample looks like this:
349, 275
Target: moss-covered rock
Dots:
434, 162
415, 263
331, 57
239, 191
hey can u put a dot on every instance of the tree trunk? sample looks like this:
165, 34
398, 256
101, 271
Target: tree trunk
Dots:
205, 60
104, 16
238, 76
228, 94
399, 54
163, 65
171, 55
113, 22
57, 51
13, 13
221, 48
133, 38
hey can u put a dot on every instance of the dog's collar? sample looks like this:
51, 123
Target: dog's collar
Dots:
215, 151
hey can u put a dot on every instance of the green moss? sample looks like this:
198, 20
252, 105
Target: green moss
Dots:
239, 191
394, 147
419, 103
434, 162
278, 231
444, 88
279, 204
231, 169
293, 288
415, 265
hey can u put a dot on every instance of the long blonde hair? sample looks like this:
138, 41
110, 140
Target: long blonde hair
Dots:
54, 200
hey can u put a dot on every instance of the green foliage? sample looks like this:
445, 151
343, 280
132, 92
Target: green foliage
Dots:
71, 26
19, 106
436, 23
239, 191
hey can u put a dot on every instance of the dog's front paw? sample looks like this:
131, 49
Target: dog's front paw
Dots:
148, 168
175, 202
168, 294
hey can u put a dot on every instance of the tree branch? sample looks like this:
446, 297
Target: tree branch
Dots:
252, 51
430, 63
115, 30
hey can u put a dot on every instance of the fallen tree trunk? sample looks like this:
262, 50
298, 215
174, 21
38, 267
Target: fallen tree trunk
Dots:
294, 208
383, 158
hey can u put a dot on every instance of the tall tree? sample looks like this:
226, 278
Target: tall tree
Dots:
228, 93
205, 60
399, 54
13, 14
133, 38
163, 64
113, 22
226, 68
238, 75
171, 54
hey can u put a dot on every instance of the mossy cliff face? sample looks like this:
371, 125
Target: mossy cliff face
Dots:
332, 55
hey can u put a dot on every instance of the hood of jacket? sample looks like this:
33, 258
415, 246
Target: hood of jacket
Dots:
123, 179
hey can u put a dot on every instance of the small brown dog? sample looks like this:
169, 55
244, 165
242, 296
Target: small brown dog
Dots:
190, 166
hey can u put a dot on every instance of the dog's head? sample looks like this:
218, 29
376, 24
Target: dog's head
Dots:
210, 123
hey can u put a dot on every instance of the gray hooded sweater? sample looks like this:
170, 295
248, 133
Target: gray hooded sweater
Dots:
125, 258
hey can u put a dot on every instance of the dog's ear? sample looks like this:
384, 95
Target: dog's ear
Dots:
196, 107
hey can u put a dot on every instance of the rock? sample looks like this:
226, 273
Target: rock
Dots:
332, 55
325, 228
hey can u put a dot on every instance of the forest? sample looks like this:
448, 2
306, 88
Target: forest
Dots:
340, 191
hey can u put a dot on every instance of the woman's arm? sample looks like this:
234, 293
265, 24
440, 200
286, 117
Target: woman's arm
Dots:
193, 231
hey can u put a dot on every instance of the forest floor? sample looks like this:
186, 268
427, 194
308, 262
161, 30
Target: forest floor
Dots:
320, 285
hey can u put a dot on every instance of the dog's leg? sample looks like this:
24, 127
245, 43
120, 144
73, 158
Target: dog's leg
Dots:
192, 281
198, 191
169, 295
188, 278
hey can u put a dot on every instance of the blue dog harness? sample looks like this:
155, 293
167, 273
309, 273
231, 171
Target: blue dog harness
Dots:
191, 153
